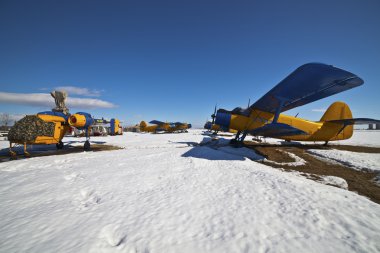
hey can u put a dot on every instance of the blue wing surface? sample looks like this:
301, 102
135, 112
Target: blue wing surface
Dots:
276, 130
156, 122
308, 83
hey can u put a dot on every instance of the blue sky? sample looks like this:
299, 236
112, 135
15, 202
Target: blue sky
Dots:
173, 60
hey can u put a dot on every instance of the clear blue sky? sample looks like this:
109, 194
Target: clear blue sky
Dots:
173, 60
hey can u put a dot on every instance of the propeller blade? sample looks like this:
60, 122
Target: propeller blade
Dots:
213, 115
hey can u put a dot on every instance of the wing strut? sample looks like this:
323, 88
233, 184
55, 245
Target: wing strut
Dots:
279, 108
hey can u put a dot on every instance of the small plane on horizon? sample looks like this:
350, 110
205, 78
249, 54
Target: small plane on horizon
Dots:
159, 126
308, 83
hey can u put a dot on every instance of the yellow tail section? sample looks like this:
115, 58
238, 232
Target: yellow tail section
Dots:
143, 125
337, 110
333, 131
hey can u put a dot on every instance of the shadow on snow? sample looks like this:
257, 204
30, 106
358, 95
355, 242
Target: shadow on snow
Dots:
219, 149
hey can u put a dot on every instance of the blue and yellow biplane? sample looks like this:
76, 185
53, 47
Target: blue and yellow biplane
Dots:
160, 126
308, 83
50, 127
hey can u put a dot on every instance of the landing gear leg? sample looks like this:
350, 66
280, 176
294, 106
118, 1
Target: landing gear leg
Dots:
237, 142
234, 140
326, 142
59, 145
26, 153
87, 145
12, 154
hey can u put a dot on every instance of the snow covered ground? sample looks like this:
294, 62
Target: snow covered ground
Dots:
355, 160
167, 193
369, 138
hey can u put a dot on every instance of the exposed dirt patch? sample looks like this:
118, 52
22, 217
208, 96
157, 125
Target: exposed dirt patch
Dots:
66, 150
356, 148
358, 181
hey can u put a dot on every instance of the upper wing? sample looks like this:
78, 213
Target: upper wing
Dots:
156, 122
308, 83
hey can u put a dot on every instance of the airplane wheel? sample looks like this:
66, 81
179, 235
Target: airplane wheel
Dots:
238, 144
59, 145
13, 154
87, 146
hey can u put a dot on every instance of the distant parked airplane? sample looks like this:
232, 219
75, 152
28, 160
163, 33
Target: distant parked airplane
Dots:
159, 126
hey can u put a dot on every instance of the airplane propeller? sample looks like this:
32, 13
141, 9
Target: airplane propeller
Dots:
213, 116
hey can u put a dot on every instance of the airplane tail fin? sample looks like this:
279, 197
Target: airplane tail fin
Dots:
143, 124
333, 121
337, 110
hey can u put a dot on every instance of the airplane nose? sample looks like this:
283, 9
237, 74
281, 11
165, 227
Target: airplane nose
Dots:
223, 119
73, 119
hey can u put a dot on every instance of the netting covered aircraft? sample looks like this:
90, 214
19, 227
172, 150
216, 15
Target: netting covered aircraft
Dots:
50, 127
308, 83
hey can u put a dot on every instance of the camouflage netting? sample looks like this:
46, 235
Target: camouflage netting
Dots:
28, 128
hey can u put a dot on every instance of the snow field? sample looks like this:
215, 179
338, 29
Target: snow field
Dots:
162, 193
358, 161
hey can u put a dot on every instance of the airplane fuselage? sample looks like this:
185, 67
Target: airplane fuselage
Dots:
314, 131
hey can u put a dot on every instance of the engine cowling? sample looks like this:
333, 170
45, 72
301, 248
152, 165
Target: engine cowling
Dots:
81, 120
223, 119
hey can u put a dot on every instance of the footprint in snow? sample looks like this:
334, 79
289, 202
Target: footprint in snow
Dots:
113, 235
87, 198
71, 176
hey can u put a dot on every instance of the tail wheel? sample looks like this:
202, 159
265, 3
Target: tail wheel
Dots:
87, 146
59, 145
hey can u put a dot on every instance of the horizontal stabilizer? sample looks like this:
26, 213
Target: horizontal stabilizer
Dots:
276, 130
308, 83
156, 122
101, 121
357, 121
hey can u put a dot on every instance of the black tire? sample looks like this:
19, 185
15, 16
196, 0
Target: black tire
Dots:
59, 145
236, 144
87, 146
